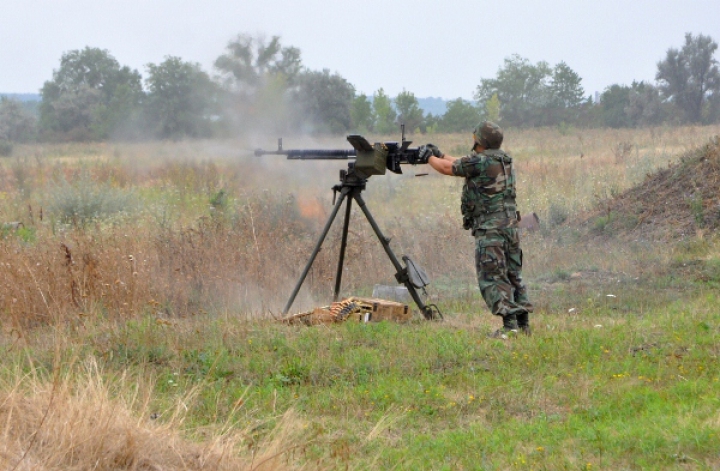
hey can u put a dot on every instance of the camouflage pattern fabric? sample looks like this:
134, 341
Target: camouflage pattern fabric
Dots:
488, 197
488, 135
489, 209
498, 261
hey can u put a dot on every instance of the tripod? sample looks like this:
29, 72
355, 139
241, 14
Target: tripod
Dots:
350, 188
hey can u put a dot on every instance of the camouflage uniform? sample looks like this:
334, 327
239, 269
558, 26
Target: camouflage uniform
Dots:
489, 210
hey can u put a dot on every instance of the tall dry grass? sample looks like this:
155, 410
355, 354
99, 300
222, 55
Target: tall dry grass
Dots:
219, 230
82, 419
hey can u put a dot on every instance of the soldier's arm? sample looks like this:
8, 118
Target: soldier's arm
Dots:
442, 165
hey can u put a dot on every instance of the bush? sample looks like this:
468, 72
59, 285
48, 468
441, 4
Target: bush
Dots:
557, 214
85, 200
6, 148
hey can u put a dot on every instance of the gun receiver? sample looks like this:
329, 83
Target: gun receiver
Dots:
369, 159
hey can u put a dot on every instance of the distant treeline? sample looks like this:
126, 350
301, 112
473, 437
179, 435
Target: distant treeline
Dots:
262, 84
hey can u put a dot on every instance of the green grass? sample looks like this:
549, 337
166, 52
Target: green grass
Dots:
602, 389
621, 373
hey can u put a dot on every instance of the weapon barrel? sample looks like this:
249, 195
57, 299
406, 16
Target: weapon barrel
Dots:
310, 154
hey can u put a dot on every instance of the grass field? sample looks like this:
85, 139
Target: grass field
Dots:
139, 285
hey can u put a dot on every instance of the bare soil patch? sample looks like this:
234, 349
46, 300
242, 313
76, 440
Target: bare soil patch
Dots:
670, 205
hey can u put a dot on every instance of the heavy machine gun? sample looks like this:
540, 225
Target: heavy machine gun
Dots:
366, 160
369, 159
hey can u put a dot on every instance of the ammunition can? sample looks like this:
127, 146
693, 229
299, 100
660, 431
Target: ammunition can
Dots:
372, 162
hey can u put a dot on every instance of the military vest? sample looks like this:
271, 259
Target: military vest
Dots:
488, 196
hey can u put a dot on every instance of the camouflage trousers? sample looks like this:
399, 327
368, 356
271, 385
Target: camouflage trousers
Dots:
498, 260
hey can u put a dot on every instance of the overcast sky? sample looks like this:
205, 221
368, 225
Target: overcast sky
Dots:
436, 48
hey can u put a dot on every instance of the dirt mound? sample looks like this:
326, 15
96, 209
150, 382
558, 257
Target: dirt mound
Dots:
670, 204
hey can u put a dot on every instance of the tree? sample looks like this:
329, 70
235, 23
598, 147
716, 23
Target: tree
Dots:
383, 113
460, 116
181, 100
325, 100
250, 61
566, 95
639, 104
645, 106
689, 77
259, 74
16, 123
90, 95
613, 101
565, 87
492, 108
522, 89
409, 112
361, 113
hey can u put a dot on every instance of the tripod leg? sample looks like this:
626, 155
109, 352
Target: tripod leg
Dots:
401, 275
343, 245
320, 241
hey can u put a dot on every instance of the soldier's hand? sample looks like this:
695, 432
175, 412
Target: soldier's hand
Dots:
435, 151
424, 153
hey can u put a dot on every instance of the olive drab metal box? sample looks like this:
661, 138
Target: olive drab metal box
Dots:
370, 159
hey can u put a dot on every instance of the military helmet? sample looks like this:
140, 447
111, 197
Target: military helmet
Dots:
488, 134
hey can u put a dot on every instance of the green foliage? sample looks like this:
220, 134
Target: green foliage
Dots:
181, 99
566, 94
250, 61
522, 89
17, 124
432, 123
557, 213
603, 223
697, 209
461, 116
492, 108
614, 100
219, 200
637, 105
83, 201
602, 388
532, 94
6, 148
89, 97
325, 101
361, 114
409, 112
645, 106
258, 75
25, 234
690, 78
384, 113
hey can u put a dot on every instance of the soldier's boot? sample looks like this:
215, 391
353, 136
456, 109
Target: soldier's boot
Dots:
523, 321
508, 330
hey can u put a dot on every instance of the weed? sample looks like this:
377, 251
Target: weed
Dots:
557, 214
603, 223
697, 209
84, 200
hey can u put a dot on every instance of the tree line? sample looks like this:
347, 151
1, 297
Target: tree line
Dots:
261, 83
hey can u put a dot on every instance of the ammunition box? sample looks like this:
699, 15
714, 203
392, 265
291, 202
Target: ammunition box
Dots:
376, 310
372, 162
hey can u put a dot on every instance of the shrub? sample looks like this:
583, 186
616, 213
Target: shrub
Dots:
85, 200
6, 148
557, 214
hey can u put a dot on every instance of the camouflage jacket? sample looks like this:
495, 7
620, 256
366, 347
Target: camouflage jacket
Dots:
488, 196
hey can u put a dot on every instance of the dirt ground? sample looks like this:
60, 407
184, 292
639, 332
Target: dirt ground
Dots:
671, 204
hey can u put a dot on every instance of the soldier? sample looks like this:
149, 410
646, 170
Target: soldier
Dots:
489, 210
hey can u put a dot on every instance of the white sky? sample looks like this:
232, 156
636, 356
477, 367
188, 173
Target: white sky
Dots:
431, 48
